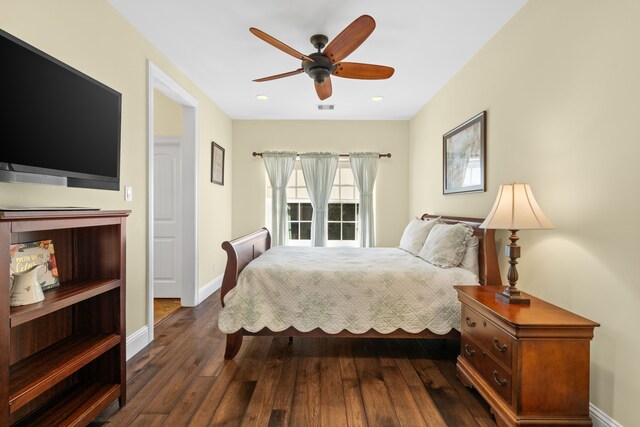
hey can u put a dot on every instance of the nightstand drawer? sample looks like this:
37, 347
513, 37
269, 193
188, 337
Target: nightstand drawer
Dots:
491, 338
493, 372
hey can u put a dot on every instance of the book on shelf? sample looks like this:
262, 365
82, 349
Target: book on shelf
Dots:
29, 254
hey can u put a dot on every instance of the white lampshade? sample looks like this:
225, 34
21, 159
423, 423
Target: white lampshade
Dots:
516, 209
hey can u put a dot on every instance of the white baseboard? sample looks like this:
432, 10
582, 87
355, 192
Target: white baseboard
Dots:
137, 341
600, 419
205, 291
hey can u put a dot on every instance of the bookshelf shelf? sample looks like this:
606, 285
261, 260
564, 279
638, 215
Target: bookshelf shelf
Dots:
76, 406
39, 372
61, 297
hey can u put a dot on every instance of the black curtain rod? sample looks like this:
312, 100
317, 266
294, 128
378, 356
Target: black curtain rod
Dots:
341, 155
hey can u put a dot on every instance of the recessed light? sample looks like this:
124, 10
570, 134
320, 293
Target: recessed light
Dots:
377, 98
262, 97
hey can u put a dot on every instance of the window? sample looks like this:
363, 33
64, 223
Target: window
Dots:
343, 221
343, 206
343, 210
300, 216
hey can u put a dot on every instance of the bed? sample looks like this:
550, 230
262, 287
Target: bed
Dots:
331, 306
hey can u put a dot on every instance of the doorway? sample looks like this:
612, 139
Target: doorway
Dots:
172, 219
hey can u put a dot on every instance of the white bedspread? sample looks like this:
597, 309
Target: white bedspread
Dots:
335, 289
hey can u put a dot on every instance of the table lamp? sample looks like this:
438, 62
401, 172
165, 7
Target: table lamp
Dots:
515, 209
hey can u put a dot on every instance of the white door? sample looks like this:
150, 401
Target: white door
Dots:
167, 205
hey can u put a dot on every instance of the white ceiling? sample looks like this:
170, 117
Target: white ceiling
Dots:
426, 41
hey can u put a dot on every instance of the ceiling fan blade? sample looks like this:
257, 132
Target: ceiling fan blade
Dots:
324, 89
350, 38
354, 70
279, 76
277, 43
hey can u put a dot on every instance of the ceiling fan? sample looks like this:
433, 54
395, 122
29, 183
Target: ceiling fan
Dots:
321, 65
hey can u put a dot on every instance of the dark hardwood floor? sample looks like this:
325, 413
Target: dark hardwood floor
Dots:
181, 379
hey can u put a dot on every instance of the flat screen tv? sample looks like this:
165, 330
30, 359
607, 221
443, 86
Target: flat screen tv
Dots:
59, 125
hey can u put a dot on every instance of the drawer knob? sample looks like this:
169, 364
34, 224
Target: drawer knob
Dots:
470, 323
501, 348
469, 353
500, 382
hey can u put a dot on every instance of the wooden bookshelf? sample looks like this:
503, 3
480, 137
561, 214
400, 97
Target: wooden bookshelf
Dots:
62, 360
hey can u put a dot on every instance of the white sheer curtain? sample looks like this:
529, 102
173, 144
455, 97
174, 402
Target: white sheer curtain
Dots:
319, 171
365, 168
279, 165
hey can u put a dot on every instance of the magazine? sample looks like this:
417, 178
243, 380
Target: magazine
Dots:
26, 255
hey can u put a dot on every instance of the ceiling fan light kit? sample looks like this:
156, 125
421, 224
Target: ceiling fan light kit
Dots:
321, 65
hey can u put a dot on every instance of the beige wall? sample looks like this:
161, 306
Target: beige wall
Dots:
391, 198
92, 37
561, 88
167, 115
561, 84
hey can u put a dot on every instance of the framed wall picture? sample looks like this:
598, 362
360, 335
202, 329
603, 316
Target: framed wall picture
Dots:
463, 156
217, 164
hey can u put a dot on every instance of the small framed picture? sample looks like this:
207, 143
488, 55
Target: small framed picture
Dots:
217, 164
463, 156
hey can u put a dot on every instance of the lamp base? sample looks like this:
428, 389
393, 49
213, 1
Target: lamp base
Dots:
511, 297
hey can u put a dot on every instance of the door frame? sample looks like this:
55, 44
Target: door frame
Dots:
158, 79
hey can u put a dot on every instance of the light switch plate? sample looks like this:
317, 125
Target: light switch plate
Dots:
128, 193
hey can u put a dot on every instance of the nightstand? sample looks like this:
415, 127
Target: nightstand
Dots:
529, 362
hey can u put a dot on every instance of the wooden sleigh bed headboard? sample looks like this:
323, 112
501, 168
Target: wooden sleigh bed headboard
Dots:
489, 274
243, 250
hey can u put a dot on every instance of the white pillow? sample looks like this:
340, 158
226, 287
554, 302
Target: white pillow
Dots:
446, 244
470, 258
415, 234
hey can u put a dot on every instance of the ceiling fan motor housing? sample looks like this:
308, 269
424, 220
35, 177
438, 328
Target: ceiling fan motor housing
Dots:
320, 68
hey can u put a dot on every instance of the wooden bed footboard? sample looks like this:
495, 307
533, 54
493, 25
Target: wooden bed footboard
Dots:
243, 250
240, 252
